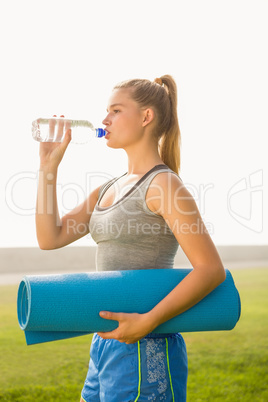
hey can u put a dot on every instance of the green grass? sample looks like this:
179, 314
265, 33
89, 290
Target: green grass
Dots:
233, 365
223, 366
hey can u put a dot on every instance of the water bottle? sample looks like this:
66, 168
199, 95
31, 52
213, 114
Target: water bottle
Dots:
53, 130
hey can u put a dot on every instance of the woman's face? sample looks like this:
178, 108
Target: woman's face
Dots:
124, 121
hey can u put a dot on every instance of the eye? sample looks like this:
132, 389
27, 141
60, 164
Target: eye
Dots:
116, 111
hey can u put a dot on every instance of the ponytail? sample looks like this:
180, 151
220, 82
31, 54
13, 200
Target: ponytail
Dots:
170, 141
161, 95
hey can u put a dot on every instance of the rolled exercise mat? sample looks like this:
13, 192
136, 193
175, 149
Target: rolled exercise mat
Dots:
53, 307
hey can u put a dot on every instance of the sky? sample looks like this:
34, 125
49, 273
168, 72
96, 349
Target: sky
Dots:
64, 57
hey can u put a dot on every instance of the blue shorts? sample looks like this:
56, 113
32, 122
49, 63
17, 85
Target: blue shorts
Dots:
152, 369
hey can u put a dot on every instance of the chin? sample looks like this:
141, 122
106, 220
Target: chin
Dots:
114, 146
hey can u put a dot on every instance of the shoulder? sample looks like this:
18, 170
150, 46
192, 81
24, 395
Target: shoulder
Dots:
166, 177
165, 189
167, 182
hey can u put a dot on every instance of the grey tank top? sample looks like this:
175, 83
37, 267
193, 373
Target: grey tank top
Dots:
128, 234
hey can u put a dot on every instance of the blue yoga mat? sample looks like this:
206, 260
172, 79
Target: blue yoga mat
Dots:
53, 307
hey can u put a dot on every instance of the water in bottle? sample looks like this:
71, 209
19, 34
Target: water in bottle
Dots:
53, 130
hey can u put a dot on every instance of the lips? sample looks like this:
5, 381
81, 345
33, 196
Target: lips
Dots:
107, 135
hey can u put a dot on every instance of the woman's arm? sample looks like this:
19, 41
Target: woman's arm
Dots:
52, 231
168, 197
180, 212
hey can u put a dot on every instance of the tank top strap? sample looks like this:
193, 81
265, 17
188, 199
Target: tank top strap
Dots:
106, 185
144, 185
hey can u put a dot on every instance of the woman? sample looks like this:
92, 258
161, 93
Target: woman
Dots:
138, 220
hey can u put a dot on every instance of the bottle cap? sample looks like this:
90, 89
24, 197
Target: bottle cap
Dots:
100, 132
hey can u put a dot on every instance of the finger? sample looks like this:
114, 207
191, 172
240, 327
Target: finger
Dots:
59, 135
67, 139
51, 128
108, 315
68, 124
107, 335
67, 128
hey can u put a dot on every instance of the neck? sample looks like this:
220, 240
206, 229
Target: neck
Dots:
142, 158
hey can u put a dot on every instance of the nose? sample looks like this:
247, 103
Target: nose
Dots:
106, 121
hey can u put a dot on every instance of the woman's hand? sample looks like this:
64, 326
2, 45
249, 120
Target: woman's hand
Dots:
132, 327
51, 153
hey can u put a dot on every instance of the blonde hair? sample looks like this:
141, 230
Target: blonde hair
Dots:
161, 96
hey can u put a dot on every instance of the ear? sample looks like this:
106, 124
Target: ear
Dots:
148, 116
